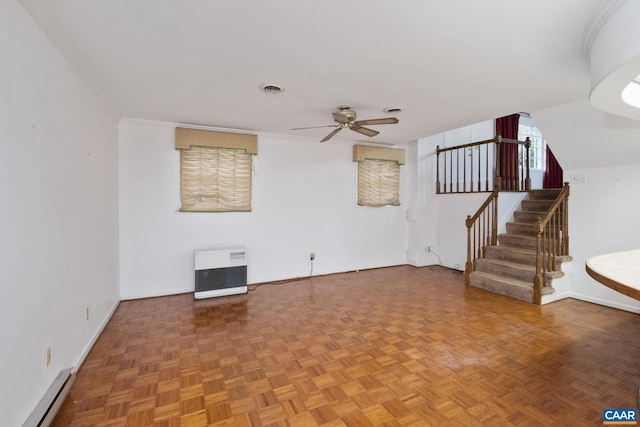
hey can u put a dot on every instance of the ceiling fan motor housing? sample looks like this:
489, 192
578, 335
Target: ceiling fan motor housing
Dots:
344, 115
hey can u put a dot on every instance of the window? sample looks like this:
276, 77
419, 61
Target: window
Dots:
215, 170
378, 183
537, 149
378, 175
215, 179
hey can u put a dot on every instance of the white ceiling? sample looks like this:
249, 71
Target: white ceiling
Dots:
447, 63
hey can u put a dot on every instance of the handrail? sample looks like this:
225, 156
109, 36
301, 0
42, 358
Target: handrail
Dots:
472, 218
552, 240
483, 227
475, 167
554, 206
467, 145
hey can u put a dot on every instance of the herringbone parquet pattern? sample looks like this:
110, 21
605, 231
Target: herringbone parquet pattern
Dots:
399, 346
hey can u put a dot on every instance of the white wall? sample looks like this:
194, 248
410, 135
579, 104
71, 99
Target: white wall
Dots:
304, 200
58, 225
603, 211
437, 221
603, 218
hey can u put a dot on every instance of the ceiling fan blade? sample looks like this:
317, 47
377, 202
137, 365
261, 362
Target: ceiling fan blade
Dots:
364, 131
331, 135
316, 127
385, 121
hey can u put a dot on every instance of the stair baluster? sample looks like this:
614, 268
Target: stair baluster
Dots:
552, 240
482, 236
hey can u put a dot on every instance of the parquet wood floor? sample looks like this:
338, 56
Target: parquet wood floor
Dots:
398, 346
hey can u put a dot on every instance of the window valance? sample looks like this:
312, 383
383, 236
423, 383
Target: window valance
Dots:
186, 138
363, 152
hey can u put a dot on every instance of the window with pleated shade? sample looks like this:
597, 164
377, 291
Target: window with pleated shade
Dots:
215, 170
378, 175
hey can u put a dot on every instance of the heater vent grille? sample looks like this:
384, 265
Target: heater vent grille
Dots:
220, 272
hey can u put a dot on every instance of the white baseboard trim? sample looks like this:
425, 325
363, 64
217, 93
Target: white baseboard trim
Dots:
606, 303
156, 294
91, 343
547, 299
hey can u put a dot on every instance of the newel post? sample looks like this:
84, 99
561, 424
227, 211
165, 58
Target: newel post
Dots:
565, 221
437, 169
468, 267
497, 178
538, 279
494, 221
527, 181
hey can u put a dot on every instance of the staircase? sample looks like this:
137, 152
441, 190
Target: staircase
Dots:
509, 267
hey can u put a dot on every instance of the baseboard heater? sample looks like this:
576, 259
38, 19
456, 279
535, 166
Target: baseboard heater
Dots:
220, 272
50, 404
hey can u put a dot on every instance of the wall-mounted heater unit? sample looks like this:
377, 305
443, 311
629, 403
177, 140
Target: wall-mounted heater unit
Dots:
220, 272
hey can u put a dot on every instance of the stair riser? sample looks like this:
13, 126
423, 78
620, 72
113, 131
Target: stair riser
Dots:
501, 253
543, 194
523, 294
520, 228
536, 205
530, 217
517, 241
495, 252
526, 229
526, 275
514, 241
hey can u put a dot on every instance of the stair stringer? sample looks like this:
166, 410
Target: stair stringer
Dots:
561, 287
508, 203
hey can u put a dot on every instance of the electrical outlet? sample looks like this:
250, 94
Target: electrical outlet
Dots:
47, 356
312, 256
87, 313
428, 249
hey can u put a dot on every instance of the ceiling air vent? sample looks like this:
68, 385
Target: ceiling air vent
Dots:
271, 88
392, 110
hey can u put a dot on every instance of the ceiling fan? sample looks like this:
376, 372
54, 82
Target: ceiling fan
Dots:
345, 118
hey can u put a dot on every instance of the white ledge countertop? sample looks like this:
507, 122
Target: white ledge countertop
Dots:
619, 271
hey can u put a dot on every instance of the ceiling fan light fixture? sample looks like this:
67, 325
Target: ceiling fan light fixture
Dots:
271, 89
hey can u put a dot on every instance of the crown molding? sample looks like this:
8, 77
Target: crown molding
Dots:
173, 125
599, 18
52, 30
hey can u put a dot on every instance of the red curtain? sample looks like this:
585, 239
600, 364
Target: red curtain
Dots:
552, 172
507, 126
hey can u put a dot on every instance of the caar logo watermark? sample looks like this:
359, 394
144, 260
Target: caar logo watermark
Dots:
620, 417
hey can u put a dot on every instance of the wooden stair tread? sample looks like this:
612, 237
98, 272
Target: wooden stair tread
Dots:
511, 256
507, 280
510, 287
522, 222
511, 269
514, 288
522, 236
523, 251
510, 264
